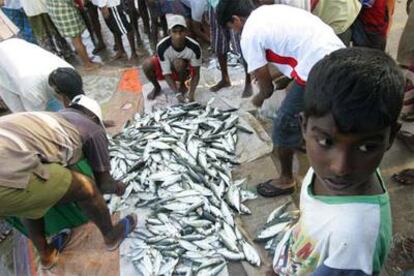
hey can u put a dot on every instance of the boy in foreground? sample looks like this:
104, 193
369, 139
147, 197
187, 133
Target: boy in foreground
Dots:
352, 102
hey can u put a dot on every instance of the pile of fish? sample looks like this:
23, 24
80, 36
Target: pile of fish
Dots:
178, 162
279, 222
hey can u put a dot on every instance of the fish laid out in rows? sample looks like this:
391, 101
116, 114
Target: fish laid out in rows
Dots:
178, 162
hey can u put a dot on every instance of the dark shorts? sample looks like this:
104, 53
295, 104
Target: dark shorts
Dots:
286, 124
118, 22
174, 75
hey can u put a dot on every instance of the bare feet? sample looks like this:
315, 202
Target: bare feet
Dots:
49, 258
120, 232
118, 55
248, 91
190, 98
154, 93
180, 97
134, 57
221, 84
90, 66
99, 48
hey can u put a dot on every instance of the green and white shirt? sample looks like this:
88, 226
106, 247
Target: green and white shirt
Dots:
346, 235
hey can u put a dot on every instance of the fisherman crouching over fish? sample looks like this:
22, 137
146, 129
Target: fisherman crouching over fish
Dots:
38, 150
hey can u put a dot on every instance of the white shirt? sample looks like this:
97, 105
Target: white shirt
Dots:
198, 7
106, 3
24, 73
34, 7
291, 38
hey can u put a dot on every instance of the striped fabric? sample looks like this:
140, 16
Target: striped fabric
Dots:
66, 17
222, 38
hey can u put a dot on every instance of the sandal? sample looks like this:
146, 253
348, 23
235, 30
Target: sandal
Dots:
129, 222
266, 189
404, 177
59, 242
4, 234
407, 138
407, 117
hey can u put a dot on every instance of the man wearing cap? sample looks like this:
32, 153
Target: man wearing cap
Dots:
40, 148
178, 58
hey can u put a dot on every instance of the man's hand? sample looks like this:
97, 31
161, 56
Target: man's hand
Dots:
258, 100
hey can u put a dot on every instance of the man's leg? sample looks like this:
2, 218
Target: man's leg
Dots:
120, 52
248, 89
84, 191
36, 233
81, 50
149, 71
96, 26
143, 11
225, 79
286, 138
131, 40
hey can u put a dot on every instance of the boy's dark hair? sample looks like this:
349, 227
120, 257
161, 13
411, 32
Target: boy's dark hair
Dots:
227, 8
362, 88
67, 81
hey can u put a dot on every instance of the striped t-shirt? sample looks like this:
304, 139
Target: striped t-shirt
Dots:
336, 235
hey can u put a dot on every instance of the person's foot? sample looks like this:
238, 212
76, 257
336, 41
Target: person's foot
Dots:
154, 93
120, 231
134, 57
248, 91
190, 98
118, 55
181, 98
5, 230
117, 188
407, 138
90, 66
50, 257
276, 187
98, 48
405, 177
221, 84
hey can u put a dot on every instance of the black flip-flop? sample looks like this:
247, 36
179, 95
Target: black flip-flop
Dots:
404, 173
59, 242
266, 189
129, 222
405, 137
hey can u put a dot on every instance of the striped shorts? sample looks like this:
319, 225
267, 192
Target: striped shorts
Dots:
222, 38
118, 21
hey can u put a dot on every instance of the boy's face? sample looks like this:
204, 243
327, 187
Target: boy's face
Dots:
178, 34
344, 163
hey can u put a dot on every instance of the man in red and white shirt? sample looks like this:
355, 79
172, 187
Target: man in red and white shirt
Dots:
293, 40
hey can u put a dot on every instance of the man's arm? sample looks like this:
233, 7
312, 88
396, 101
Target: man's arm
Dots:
194, 83
196, 28
266, 88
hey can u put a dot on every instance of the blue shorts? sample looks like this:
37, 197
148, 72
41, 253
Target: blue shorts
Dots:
286, 124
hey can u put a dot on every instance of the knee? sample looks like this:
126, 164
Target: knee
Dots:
180, 65
87, 189
148, 67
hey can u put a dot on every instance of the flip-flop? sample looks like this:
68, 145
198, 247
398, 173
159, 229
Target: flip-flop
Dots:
4, 235
404, 174
266, 189
128, 228
405, 137
59, 242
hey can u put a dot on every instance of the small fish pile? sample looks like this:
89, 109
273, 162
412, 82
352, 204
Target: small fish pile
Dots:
278, 223
178, 162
